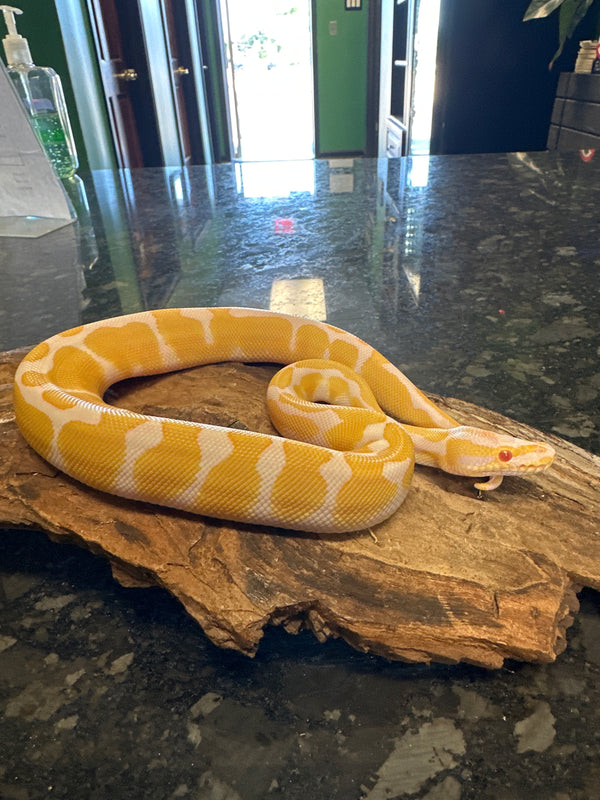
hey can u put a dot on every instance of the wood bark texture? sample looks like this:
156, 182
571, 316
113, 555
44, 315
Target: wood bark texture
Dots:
450, 577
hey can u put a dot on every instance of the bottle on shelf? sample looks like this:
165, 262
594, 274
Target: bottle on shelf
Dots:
42, 95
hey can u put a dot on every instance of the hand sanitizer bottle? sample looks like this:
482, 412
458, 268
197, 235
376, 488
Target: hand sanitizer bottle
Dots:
41, 92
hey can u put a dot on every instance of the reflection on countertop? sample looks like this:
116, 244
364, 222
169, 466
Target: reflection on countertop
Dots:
479, 277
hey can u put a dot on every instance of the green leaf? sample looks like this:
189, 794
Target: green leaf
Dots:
538, 9
571, 14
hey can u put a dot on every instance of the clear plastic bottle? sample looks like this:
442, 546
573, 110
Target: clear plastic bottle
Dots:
42, 95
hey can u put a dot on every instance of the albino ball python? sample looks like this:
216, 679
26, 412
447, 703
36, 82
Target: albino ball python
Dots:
351, 470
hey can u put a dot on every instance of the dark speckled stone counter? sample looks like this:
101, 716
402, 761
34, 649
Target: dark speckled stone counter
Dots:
479, 276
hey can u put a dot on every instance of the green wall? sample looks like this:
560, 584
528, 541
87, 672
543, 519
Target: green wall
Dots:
340, 77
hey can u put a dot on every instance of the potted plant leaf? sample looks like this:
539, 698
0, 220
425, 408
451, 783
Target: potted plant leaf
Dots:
570, 14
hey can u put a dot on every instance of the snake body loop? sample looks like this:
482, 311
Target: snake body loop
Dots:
352, 424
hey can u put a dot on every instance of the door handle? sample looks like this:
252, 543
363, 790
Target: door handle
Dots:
126, 75
181, 71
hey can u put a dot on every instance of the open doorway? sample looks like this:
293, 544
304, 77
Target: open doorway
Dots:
268, 47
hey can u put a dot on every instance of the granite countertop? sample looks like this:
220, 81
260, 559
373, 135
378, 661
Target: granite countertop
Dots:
477, 275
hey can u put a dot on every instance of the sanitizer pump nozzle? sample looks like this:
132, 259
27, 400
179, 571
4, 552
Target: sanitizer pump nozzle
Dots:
42, 95
16, 46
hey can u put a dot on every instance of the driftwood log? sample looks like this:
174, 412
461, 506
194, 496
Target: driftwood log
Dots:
450, 577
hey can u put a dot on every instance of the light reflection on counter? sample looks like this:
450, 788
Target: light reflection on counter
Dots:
258, 179
418, 173
304, 297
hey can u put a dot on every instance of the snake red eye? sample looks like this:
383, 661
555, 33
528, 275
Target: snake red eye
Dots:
505, 455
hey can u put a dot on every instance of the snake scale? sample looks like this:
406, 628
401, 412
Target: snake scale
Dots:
351, 424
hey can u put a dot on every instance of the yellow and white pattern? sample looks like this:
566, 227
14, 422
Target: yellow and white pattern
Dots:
350, 470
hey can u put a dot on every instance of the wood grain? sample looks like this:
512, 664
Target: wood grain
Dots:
450, 577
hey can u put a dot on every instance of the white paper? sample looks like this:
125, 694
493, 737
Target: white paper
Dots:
32, 199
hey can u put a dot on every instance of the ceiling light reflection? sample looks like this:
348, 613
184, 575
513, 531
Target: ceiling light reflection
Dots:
304, 297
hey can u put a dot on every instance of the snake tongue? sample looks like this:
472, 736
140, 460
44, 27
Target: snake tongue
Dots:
493, 482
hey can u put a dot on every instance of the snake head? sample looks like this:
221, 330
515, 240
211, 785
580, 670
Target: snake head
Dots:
480, 453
